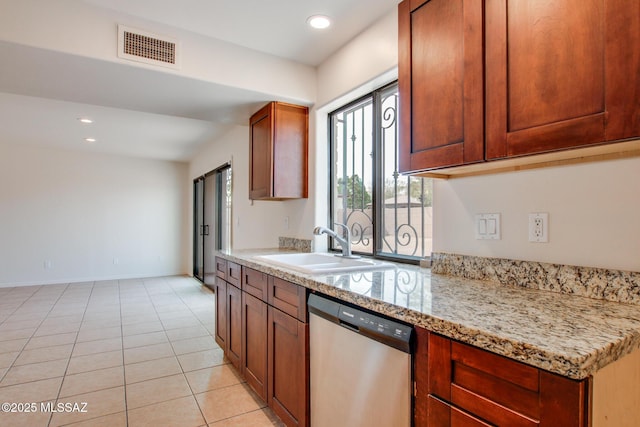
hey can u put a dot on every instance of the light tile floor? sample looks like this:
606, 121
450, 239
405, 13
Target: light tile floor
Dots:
136, 352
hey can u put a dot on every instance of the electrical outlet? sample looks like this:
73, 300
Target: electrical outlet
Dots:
48, 264
286, 223
539, 227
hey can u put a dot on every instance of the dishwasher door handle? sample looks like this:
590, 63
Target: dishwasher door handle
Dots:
349, 326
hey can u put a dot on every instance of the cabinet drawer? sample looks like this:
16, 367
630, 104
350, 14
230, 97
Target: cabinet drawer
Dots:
442, 414
255, 283
289, 298
234, 274
502, 391
221, 268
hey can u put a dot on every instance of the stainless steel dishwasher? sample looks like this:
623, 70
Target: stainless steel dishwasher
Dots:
360, 367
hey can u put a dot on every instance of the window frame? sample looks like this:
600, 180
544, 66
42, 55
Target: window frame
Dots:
377, 167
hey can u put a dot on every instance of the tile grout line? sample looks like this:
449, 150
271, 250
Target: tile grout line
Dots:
32, 335
174, 352
184, 375
34, 331
64, 375
124, 366
90, 354
144, 333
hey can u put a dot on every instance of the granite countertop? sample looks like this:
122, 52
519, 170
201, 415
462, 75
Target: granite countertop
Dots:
569, 335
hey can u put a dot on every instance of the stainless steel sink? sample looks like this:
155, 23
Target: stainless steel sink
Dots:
318, 263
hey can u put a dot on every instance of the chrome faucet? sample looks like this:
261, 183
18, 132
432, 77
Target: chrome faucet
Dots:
345, 244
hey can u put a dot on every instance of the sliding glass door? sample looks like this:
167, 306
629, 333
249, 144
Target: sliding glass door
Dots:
198, 228
211, 225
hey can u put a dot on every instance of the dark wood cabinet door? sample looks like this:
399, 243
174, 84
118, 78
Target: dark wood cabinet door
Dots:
290, 151
233, 349
420, 377
440, 78
254, 353
278, 152
622, 69
220, 289
545, 75
260, 153
288, 370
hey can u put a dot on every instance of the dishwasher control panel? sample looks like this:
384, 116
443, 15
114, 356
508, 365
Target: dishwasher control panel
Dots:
375, 326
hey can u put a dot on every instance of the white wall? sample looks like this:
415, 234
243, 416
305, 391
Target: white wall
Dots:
365, 63
593, 214
82, 210
257, 224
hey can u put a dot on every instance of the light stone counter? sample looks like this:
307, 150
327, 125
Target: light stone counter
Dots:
569, 335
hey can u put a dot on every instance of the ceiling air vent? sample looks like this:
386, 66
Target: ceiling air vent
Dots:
141, 46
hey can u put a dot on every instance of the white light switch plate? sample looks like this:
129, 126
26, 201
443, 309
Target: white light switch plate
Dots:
488, 226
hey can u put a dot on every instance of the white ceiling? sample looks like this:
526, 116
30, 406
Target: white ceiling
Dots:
141, 112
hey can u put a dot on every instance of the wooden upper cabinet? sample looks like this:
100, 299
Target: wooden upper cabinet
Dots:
278, 152
622, 69
545, 75
440, 83
558, 74
506, 78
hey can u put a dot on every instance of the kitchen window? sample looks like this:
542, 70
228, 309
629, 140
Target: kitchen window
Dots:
389, 215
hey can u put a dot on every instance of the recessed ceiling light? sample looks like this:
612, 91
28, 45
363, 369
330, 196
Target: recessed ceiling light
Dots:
85, 120
90, 140
319, 21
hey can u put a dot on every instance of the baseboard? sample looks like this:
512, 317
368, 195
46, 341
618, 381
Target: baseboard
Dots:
87, 279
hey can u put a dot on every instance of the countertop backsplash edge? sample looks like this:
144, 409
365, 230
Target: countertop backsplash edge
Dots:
599, 283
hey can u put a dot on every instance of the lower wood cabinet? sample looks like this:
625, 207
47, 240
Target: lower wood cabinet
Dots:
229, 320
288, 368
254, 353
233, 349
263, 330
220, 289
461, 385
